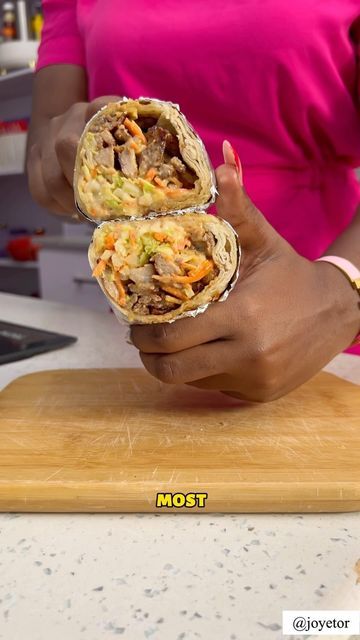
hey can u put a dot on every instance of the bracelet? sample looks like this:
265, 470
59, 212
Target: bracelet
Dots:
351, 272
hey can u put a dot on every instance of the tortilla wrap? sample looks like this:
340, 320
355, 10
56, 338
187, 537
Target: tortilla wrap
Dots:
162, 268
140, 156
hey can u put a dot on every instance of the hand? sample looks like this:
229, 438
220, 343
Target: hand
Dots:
285, 319
51, 159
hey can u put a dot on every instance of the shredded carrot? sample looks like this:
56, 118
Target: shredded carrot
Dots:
121, 290
160, 182
174, 292
93, 172
99, 269
134, 146
110, 241
186, 266
201, 272
175, 181
179, 246
161, 237
134, 129
151, 174
132, 238
194, 276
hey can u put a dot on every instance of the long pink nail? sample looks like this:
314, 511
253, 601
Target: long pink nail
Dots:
232, 157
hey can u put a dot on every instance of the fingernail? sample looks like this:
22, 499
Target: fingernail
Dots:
238, 164
232, 157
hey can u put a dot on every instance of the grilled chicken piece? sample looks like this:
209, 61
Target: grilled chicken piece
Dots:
105, 157
162, 306
144, 301
107, 137
105, 122
166, 171
158, 140
165, 267
142, 279
142, 288
128, 164
151, 156
121, 134
159, 133
142, 275
178, 164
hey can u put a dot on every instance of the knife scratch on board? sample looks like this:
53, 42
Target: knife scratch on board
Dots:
97, 439
247, 452
129, 439
136, 387
115, 441
135, 437
52, 475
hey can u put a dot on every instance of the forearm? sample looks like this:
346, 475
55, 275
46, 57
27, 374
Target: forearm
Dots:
58, 117
56, 89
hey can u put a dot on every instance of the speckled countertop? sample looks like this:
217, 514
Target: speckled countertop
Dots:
174, 576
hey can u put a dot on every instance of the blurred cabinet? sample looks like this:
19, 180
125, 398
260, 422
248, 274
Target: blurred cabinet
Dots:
20, 278
65, 276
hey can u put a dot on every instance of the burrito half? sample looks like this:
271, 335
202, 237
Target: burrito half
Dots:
140, 156
158, 269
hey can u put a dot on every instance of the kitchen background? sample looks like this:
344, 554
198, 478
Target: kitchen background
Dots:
40, 255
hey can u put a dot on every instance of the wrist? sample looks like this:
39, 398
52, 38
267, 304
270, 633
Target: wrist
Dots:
344, 303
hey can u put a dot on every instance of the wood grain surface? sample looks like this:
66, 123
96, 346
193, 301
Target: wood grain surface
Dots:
110, 440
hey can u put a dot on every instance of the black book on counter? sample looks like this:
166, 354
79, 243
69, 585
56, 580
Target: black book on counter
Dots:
18, 342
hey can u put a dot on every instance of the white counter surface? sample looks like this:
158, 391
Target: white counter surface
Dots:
175, 576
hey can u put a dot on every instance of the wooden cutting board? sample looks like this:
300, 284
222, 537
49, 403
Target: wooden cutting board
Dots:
114, 439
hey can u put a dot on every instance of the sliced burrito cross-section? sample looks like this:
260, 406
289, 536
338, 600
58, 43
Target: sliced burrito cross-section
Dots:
140, 156
158, 269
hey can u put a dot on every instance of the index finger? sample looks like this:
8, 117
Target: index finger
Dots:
67, 143
98, 103
67, 138
217, 322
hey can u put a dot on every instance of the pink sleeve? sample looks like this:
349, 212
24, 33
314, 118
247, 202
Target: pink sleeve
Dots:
61, 42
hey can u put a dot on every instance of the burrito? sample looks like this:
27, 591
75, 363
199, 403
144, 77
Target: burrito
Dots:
161, 268
140, 156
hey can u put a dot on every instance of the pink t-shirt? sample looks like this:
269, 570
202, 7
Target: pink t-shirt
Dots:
279, 79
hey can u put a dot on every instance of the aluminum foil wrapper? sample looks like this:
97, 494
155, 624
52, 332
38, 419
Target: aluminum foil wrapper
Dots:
194, 312
213, 189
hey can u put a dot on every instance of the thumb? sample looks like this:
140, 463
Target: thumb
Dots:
234, 205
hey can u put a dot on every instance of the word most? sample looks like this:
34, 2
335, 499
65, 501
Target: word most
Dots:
179, 500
